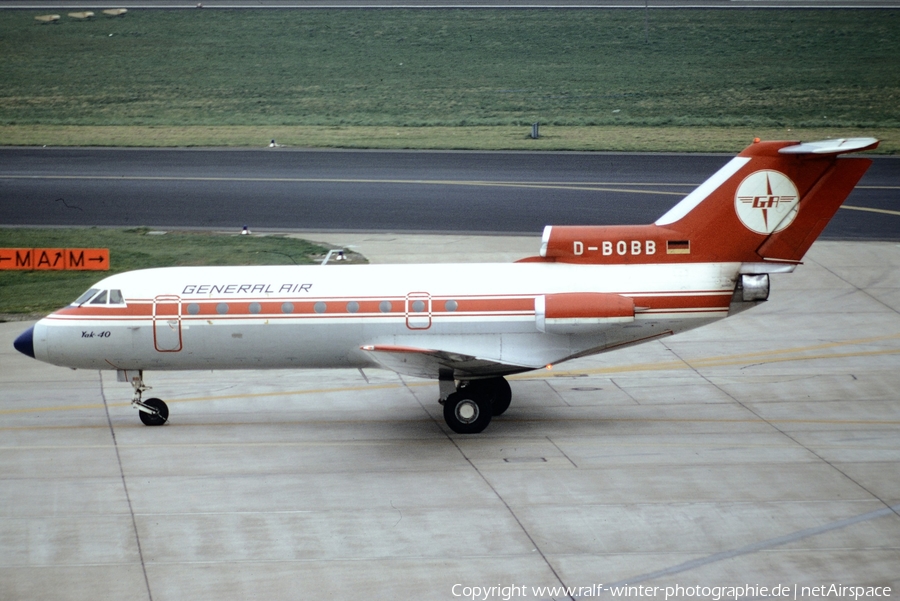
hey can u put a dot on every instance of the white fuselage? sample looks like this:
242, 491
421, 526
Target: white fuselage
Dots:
315, 316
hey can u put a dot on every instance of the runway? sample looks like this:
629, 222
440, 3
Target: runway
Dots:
388, 191
469, 4
760, 451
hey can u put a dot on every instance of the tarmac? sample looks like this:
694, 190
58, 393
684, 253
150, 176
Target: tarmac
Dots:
760, 451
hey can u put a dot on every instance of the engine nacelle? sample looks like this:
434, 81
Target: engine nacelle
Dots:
581, 312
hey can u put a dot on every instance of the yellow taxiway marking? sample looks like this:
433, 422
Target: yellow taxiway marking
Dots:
871, 210
576, 186
711, 444
335, 180
612, 187
800, 353
339, 180
764, 357
224, 397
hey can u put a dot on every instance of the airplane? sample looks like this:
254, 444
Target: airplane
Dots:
591, 289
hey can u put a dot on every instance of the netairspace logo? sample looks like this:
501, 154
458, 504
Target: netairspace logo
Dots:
715, 593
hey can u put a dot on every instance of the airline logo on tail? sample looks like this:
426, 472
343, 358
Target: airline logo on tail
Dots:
766, 201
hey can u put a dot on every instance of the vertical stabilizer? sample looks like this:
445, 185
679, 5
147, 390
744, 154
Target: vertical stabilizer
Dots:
768, 204
771, 201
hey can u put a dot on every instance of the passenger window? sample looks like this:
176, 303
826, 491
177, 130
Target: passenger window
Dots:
115, 297
85, 297
100, 299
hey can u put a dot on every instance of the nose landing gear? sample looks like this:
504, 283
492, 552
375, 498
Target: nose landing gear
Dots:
160, 411
153, 412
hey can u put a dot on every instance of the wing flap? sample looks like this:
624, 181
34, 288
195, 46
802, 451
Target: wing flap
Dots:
435, 364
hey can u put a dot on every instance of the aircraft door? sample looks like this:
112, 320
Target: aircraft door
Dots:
167, 323
418, 310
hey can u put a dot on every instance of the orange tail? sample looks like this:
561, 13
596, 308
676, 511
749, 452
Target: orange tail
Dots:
768, 204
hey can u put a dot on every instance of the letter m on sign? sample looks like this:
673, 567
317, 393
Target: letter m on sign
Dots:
23, 259
75, 259
15, 258
87, 259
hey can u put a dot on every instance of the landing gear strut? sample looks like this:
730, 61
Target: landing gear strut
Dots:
470, 408
153, 412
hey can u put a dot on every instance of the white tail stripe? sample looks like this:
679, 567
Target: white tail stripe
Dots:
689, 202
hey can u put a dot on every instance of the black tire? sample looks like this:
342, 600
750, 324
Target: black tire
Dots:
496, 389
155, 420
467, 413
502, 395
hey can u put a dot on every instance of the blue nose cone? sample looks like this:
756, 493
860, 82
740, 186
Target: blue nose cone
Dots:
25, 342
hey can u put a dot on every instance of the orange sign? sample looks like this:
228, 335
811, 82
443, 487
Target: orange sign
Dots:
54, 259
45, 259
16, 258
87, 259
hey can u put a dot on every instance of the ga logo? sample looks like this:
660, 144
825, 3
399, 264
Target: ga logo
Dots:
766, 201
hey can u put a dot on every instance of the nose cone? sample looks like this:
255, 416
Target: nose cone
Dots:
25, 342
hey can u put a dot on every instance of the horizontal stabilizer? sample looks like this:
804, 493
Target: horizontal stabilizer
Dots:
835, 146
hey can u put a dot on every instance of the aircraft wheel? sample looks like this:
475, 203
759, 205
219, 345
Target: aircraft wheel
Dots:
496, 389
502, 395
467, 413
155, 420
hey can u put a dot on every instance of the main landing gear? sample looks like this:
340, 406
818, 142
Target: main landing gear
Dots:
153, 412
469, 409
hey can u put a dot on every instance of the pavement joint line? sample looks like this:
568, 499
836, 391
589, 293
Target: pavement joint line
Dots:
137, 536
830, 463
563, 453
468, 460
760, 546
531, 539
815, 452
725, 361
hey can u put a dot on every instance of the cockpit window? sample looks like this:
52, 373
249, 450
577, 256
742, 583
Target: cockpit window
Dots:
95, 296
86, 296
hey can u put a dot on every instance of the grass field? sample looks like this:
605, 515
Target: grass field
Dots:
255, 75
39, 292
633, 138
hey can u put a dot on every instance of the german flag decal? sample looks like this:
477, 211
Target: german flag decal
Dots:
678, 247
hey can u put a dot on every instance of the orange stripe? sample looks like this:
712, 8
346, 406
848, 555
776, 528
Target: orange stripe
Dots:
466, 306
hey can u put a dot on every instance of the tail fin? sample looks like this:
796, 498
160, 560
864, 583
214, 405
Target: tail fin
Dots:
768, 204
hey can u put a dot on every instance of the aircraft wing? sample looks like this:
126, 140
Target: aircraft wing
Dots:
433, 363
477, 356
